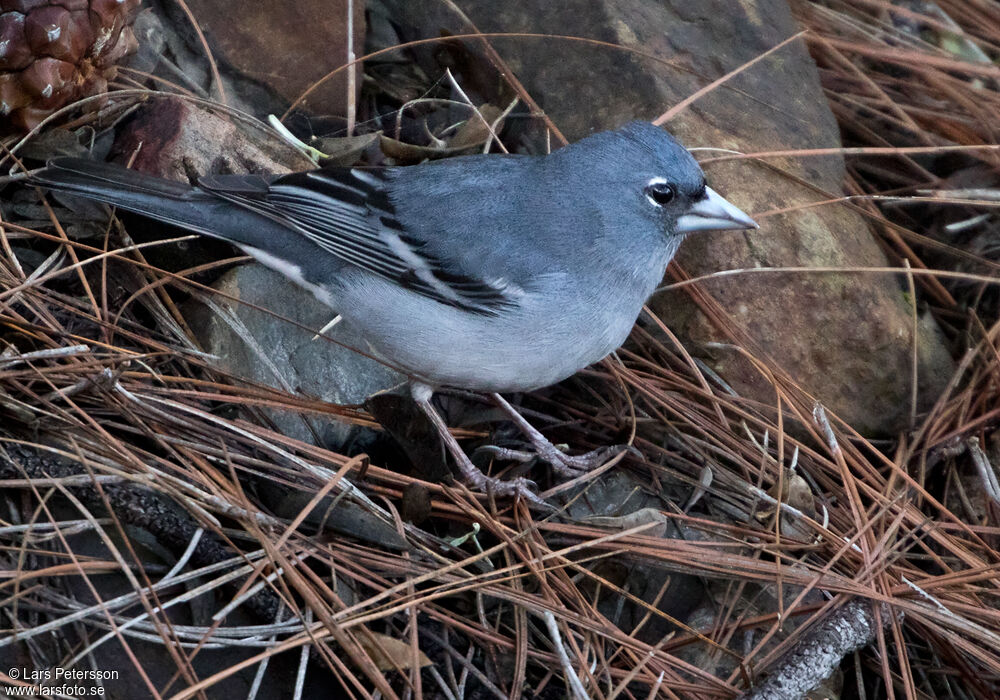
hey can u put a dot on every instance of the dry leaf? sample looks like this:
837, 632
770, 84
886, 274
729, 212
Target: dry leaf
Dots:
390, 653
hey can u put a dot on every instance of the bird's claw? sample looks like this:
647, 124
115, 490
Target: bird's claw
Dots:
510, 488
503, 488
569, 466
507, 454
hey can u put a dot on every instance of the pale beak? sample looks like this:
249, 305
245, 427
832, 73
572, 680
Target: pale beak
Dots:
713, 213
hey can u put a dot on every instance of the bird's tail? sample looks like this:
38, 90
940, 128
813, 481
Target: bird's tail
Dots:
158, 198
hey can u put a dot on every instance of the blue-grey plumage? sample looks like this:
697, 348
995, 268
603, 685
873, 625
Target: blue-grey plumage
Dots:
489, 273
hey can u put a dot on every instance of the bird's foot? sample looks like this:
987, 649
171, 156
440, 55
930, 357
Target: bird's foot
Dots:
525, 488
502, 488
567, 466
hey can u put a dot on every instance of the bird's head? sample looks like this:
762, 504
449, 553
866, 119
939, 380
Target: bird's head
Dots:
656, 173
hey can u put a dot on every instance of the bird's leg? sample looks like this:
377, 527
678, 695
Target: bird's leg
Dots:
470, 473
569, 466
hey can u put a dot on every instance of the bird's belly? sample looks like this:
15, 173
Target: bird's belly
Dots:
519, 350
502, 365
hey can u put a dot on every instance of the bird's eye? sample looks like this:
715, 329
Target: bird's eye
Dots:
660, 193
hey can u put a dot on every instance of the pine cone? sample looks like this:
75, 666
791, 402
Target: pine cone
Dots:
55, 51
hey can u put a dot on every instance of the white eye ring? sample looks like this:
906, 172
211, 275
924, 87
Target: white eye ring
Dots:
659, 192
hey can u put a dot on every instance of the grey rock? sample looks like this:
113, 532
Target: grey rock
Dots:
271, 349
176, 140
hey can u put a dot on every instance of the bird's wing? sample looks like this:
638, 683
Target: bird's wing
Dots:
347, 212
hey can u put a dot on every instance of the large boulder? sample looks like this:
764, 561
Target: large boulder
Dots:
845, 338
270, 53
